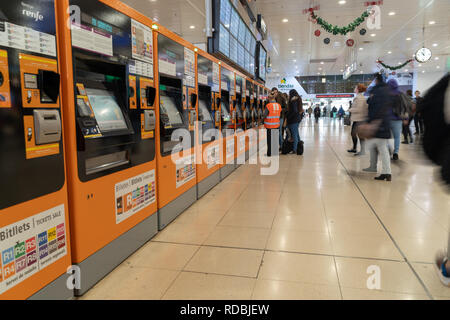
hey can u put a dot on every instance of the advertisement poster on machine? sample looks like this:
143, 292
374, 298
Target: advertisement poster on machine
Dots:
30, 245
185, 170
134, 194
213, 156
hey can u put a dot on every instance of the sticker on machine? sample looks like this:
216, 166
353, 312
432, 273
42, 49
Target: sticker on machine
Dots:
230, 150
142, 42
185, 170
241, 143
213, 156
30, 245
134, 194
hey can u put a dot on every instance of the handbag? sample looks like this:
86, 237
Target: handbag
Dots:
368, 130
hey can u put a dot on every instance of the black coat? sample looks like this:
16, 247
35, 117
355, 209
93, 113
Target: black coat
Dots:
380, 108
294, 111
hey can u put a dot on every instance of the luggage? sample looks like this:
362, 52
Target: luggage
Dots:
288, 144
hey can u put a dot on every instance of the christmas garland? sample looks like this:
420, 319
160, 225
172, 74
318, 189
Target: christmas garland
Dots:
393, 68
340, 30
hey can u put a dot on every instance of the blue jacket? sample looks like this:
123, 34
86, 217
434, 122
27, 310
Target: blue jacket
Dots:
380, 106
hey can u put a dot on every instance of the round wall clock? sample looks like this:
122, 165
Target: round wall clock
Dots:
423, 55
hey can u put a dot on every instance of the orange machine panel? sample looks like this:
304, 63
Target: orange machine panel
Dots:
143, 84
30, 66
5, 91
132, 92
33, 150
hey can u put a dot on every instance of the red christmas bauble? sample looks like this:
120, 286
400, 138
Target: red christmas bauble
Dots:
317, 33
350, 42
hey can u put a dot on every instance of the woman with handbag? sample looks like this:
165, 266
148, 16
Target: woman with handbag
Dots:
378, 128
359, 110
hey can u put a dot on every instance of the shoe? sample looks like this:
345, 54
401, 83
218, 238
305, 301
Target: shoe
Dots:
405, 142
352, 150
383, 177
440, 267
370, 169
395, 157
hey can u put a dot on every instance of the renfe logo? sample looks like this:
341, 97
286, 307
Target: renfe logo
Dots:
30, 12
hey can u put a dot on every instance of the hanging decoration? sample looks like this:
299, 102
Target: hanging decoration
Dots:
394, 67
326, 40
350, 42
317, 33
362, 31
340, 30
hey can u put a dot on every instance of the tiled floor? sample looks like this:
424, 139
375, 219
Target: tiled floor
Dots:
316, 230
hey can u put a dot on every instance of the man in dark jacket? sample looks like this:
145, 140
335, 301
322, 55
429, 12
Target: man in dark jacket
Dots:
293, 116
418, 117
380, 105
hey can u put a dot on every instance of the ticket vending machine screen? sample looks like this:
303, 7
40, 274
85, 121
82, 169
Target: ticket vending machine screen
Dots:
170, 110
225, 113
107, 112
203, 110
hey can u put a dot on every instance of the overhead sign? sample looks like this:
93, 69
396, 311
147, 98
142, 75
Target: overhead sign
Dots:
324, 96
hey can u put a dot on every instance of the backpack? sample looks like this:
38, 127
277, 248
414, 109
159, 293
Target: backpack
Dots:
405, 108
436, 140
300, 148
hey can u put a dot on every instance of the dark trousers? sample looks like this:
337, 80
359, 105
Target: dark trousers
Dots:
272, 141
418, 123
355, 135
407, 130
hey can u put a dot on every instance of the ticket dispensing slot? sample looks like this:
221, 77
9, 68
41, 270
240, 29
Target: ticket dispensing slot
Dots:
149, 120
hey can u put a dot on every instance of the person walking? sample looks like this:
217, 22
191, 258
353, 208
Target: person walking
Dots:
418, 117
378, 128
359, 112
293, 118
341, 113
310, 111
408, 102
398, 115
317, 113
271, 116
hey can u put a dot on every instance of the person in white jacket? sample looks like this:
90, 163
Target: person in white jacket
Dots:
359, 113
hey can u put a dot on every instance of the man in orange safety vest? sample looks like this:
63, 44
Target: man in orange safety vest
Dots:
272, 123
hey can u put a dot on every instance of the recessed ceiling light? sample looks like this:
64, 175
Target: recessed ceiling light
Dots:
320, 68
318, 73
342, 70
361, 48
295, 60
373, 35
292, 51
406, 70
420, 64
423, 71
392, 13
436, 58
321, 62
192, 27
389, 52
285, 20
342, 2
408, 39
438, 67
435, 44
432, 22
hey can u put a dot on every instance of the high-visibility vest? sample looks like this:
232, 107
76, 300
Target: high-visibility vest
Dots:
272, 121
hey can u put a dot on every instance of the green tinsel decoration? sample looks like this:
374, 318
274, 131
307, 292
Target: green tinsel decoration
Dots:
391, 67
340, 30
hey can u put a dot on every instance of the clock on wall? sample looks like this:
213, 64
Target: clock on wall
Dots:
423, 55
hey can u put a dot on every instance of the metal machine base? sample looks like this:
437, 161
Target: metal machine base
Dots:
98, 265
173, 209
207, 184
56, 290
227, 170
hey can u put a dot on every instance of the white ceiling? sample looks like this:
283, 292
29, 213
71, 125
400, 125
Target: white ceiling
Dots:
408, 21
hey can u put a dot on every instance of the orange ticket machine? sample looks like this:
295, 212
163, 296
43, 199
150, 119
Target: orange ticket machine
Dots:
239, 145
110, 118
228, 120
209, 117
177, 183
34, 223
